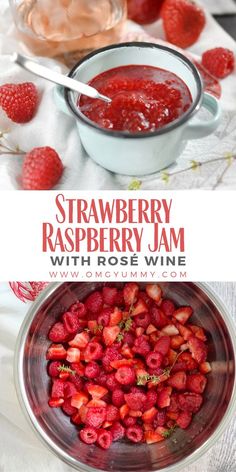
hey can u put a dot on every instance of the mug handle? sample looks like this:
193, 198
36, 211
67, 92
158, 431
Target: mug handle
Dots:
204, 128
59, 99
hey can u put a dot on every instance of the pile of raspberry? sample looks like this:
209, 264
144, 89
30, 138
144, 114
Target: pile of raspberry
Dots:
127, 364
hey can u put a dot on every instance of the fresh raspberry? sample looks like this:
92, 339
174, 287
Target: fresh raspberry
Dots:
19, 101
93, 351
111, 354
92, 370
125, 375
168, 307
71, 322
143, 320
135, 401
112, 383
134, 433
154, 360
104, 439
151, 399
104, 317
69, 389
190, 402
53, 368
94, 302
112, 413
162, 345
117, 431
77, 381
67, 408
42, 169
183, 22
158, 318
102, 379
119, 298
129, 339
141, 346
79, 308
129, 421
118, 398
109, 295
184, 419
144, 11
57, 389
88, 435
219, 62
95, 416
160, 418
58, 333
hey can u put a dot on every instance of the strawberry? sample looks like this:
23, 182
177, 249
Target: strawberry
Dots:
124, 410
170, 330
73, 354
79, 399
198, 332
152, 437
80, 340
178, 380
158, 318
57, 389
121, 362
185, 332
198, 349
176, 342
220, 62
56, 352
115, 317
109, 295
162, 345
19, 101
149, 415
96, 391
168, 307
154, 292
163, 399
190, 363
184, 419
110, 334
183, 314
42, 169
205, 368
183, 22
151, 329
196, 383
130, 293
139, 307
96, 403
55, 402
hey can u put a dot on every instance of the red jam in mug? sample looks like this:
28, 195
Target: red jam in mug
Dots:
144, 99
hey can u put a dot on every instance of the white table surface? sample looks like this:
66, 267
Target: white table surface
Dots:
21, 451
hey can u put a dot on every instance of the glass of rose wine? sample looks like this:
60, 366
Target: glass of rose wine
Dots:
68, 29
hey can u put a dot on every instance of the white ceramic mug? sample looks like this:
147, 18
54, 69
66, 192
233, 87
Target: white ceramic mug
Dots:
141, 153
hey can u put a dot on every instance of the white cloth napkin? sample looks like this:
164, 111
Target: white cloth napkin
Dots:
20, 449
52, 127
220, 7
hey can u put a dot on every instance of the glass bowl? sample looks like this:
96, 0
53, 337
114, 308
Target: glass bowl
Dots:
61, 436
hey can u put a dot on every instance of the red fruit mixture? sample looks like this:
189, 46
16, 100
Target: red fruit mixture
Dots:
127, 364
144, 99
183, 22
144, 11
219, 62
19, 101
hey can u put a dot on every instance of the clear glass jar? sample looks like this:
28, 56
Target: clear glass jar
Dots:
68, 29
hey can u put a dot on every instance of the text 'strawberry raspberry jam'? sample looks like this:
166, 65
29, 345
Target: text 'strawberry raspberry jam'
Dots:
127, 364
144, 99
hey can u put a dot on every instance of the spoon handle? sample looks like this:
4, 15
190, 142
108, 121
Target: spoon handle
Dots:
56, 77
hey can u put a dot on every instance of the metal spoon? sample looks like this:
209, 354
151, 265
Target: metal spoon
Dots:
60, 79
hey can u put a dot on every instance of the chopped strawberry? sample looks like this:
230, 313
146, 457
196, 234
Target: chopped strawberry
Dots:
198, 332
152, 437
151, 329
110, 334
55, 402
121, 362
109, 295
115, 317
73, 354
168, 307
57, 389
130, 293
56, 352
196, 383
154, 292
170, 330
183, 314
185, 332
139, 331
163, 399
190, 363
158, 318
96, 403
139, 307
96, 391
178, 380
79, 399
149, 415
198, 349
184, 419
176, 342
80, 340
163, 345
124, 410
205, 368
